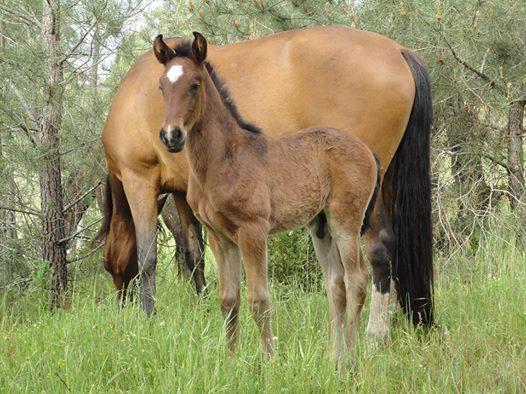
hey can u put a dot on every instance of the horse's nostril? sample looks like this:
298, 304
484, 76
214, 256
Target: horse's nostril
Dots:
177, 133
162, 135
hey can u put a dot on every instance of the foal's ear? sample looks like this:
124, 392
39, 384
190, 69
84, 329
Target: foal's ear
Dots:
199, 47
162, 51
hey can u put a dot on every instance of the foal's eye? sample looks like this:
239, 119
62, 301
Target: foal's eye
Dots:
194, 87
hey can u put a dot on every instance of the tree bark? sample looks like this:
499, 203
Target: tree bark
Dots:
53, 250
515, 152
7, 217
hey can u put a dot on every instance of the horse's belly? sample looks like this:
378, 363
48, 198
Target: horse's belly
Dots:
290, 213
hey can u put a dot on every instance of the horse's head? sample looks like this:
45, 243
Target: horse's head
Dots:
181, 86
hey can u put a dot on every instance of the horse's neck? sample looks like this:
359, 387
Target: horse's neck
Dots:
216, 133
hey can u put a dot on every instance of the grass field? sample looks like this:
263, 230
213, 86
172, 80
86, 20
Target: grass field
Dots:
479, 344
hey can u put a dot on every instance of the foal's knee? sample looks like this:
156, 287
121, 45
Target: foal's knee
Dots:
230, 305
259, 304
336, 290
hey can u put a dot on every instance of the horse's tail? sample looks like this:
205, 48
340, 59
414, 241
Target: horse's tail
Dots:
107, 210
369, 210
413, 254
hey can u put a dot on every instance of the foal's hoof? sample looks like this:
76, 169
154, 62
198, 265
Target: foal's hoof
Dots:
346, 367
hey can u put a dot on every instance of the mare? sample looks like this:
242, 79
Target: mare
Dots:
353, 80
245, 185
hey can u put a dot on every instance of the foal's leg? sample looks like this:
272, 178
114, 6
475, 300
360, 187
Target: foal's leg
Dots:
379, 240
252, 241
229, 267
356, 277
332, 269
142, 198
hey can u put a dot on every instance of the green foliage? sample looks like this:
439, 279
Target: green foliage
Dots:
227, 21
85, 25
478, 345
292, 260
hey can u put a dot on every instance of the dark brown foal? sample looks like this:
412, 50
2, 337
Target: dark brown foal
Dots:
245, 185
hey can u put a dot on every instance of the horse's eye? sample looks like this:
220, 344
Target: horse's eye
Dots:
194, 87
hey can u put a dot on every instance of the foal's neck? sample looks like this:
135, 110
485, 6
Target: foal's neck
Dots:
215, 136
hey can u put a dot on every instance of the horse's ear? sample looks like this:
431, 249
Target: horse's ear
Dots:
163, 52
199, 46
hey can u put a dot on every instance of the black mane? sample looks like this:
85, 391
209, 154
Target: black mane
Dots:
184, 49
228, 101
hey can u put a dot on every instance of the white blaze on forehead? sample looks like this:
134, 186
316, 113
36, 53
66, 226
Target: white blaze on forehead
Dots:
174, 73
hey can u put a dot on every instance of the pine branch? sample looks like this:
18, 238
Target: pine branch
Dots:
17, 14
84, 195
26, 211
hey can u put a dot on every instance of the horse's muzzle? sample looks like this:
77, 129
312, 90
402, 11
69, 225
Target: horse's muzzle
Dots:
174, 139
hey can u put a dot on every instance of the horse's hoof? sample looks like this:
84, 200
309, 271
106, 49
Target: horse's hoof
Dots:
376, 339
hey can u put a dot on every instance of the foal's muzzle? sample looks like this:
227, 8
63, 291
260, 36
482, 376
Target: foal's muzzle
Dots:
173, 138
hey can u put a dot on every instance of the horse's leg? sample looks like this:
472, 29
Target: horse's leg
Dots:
229, 267
332, 270
194, 238
355, 276
379, 240
142, 198
120, 252
252, 241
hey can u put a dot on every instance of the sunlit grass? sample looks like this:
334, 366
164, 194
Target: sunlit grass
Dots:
478, 345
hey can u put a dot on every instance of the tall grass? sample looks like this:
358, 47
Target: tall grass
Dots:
478, 345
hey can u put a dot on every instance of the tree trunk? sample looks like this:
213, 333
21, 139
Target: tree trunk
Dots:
7, 217
53, 249
515, 152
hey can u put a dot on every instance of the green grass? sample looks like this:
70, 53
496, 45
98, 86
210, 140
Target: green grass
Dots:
479, 344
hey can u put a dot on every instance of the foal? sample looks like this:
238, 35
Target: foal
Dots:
244, 185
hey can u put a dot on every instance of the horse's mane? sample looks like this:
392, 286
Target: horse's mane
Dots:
228, 101
184, 49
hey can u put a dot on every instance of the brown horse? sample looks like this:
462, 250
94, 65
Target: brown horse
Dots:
346, 78
245, 185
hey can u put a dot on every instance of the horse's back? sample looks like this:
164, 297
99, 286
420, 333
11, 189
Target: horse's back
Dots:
307, 167
349, 79
327, 147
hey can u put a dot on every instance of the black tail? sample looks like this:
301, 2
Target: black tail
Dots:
369, 211
413, 254
107, 211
